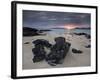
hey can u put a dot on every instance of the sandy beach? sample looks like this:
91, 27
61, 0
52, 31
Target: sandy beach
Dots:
71, 59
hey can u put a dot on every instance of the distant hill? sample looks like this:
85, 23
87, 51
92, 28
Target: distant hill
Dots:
29, 31
57, 28
44, 30
83, 28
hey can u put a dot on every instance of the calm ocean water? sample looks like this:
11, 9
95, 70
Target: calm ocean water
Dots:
61, 31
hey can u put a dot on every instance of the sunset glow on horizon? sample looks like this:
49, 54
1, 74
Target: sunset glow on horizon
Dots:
70, 26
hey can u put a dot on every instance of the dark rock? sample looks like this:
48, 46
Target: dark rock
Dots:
58, 51
57, 54
80, 34
38, 58
85, 34
54, 58
60, 40
39, 53
30, 31
88, 46
37, 49
42, 42
76, 51
61, 47
26, 42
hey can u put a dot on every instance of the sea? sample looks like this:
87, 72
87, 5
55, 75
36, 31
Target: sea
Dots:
62, 31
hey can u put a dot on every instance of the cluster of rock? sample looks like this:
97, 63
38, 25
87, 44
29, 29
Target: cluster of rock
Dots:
86, 35
27, 31
39, 51
57, 53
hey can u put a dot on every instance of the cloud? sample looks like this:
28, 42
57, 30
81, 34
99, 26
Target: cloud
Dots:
47, 18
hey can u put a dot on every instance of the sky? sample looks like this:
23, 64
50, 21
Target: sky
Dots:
48, 19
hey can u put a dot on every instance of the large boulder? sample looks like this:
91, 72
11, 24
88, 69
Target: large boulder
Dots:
60, 40
58, 51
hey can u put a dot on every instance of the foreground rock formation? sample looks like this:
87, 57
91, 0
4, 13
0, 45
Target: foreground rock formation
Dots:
57, 53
